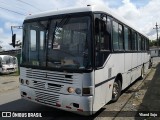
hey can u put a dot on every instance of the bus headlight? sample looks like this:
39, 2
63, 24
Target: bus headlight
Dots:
78, 90
71, 90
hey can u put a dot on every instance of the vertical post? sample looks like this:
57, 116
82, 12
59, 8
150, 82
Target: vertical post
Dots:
157, 34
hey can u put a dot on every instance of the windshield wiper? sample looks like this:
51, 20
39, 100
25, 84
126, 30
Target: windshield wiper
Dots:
58, 25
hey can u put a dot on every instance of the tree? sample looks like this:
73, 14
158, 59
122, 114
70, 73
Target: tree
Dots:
153, 43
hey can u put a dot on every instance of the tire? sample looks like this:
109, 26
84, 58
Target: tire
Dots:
150, 64
116, 91
142, 73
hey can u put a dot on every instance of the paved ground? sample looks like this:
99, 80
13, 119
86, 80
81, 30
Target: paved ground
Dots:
8, 82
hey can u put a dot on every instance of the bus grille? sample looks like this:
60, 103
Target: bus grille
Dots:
50, 76
47, 86
47, 98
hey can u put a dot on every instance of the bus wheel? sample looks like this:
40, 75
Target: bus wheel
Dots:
150, 64
116, 91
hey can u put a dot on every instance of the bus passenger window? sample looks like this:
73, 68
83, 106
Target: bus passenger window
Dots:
134, 40
139, 42
126, 40
142, 43
120, 36
129, 39
115, 36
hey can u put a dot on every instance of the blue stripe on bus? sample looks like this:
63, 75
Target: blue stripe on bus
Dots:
101, 83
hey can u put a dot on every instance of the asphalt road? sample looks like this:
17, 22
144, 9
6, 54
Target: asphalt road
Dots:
11, 101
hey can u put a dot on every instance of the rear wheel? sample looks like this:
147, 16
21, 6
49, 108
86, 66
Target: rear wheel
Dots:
116, 91
142, 73
150, 64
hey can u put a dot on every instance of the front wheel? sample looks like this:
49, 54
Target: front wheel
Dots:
116, 91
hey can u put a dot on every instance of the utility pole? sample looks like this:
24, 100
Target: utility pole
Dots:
157, 34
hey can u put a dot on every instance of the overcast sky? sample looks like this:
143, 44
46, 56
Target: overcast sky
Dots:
143, 14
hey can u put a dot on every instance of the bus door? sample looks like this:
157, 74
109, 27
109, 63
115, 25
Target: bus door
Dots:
102, 51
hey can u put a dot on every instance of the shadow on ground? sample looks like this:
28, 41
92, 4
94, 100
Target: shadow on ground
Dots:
151, 100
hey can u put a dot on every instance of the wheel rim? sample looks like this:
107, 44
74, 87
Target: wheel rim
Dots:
142, 74
115, 91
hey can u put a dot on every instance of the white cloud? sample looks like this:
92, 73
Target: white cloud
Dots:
8, 25
1, 30
143, 18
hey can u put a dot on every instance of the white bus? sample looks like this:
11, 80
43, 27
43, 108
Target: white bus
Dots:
8, 64
79, 59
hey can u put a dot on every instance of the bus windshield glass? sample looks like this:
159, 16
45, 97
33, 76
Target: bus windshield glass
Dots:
63, 42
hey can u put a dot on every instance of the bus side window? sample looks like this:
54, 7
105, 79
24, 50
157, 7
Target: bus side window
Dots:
120, 37
142, 43
147, 44
115, 36
139, 42
129, 39
126, 38
134, 40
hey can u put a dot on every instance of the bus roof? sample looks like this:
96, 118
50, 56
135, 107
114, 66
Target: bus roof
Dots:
89, 8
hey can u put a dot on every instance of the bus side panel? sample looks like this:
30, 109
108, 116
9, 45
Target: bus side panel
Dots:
104, 79
100, 91
127, 74
134, 71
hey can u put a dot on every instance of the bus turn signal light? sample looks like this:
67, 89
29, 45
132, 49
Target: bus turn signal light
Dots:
86, 91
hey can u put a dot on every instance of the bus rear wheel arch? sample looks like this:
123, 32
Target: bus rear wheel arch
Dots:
116, 90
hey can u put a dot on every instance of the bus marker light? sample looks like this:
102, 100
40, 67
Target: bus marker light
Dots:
68, 107
29, 97
58, 105
81, 110
78, 90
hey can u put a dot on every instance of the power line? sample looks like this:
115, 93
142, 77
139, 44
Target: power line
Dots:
12, 5
29, 4
12, 11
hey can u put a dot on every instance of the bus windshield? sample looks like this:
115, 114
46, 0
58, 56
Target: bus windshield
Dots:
62, 42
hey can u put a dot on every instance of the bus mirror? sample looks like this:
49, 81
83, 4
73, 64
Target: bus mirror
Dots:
104, 18
13, 40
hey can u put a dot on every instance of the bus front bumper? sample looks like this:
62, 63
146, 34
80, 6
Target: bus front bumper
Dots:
73, 103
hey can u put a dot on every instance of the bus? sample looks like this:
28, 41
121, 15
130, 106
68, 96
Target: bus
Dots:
8, 64
79, 59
